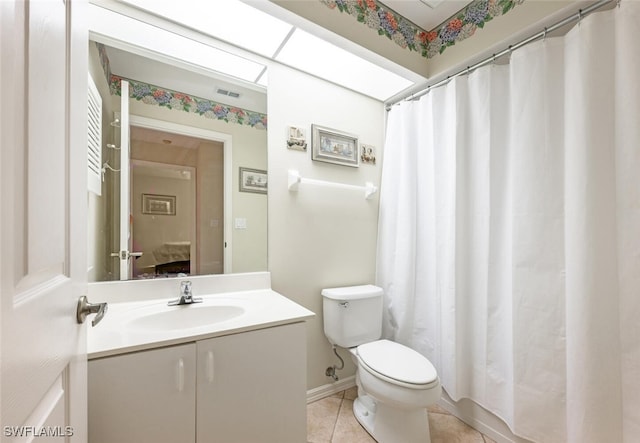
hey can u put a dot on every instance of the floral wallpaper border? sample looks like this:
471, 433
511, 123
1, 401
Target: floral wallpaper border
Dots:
155, 95
410, 36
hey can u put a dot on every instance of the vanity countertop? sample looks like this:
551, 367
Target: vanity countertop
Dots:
148, 324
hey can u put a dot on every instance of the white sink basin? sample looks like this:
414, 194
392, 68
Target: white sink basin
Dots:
186, 317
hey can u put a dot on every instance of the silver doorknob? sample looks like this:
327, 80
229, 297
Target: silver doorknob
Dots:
85, 308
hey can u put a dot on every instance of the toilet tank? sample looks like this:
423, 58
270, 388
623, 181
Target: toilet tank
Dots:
352, 314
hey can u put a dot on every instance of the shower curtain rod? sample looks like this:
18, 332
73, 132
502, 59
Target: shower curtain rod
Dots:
572, 18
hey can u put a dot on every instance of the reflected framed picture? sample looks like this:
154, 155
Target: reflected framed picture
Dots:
253, 180
155, 204
332, 146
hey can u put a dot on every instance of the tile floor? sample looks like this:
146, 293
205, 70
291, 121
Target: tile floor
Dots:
331, 420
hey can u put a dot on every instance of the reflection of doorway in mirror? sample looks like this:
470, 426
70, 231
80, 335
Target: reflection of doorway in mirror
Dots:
163, 234
191, 170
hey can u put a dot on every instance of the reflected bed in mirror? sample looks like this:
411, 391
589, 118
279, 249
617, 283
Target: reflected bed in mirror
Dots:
182, 174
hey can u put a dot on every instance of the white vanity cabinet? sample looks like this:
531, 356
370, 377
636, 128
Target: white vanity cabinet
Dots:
252, 387
246, 387
147, 396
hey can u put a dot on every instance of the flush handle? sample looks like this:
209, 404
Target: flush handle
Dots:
344, 304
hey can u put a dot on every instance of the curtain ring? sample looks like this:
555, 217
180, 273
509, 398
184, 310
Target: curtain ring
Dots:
494, 59
618, 3
544, 36
579, 16
468, 70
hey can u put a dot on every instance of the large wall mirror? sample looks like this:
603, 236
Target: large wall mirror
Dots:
184, 161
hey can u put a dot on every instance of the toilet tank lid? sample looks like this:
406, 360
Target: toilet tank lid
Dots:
352, 292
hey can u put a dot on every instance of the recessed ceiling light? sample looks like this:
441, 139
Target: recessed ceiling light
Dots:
323, 59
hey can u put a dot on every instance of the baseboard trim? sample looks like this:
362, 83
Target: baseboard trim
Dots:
330, 388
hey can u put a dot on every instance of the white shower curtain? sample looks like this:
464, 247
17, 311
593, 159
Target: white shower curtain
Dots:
509, 233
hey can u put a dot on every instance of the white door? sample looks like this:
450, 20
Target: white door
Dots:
122, 227
43, 199
125, 179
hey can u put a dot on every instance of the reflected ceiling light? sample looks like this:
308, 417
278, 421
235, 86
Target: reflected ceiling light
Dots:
325, 60
149, 40
228, 20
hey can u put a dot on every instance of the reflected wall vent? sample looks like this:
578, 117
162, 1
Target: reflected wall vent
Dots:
228, 93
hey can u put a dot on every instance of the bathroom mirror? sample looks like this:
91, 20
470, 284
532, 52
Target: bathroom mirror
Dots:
189, 211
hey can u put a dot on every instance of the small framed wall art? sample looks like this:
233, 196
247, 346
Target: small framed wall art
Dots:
253, 180
332, 146
155, 204
296, 138
367, 154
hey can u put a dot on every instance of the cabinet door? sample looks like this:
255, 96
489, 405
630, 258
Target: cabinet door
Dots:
252, 387
146, 396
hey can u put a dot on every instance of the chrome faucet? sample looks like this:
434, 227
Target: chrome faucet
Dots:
186, 296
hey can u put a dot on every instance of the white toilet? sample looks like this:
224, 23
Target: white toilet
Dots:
395, 383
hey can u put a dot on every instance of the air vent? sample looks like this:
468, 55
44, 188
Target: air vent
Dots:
232, 94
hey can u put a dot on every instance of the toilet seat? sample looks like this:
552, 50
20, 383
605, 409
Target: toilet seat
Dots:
397, 364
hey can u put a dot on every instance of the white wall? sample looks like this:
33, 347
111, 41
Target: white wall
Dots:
320, 237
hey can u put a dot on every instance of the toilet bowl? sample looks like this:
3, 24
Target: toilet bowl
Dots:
395, 383
395, 386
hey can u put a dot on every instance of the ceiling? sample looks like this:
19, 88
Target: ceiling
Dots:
130, 65
164, 138
310, 35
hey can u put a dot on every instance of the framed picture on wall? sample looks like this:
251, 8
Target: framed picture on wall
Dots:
333, 146
253, 180
155, 204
